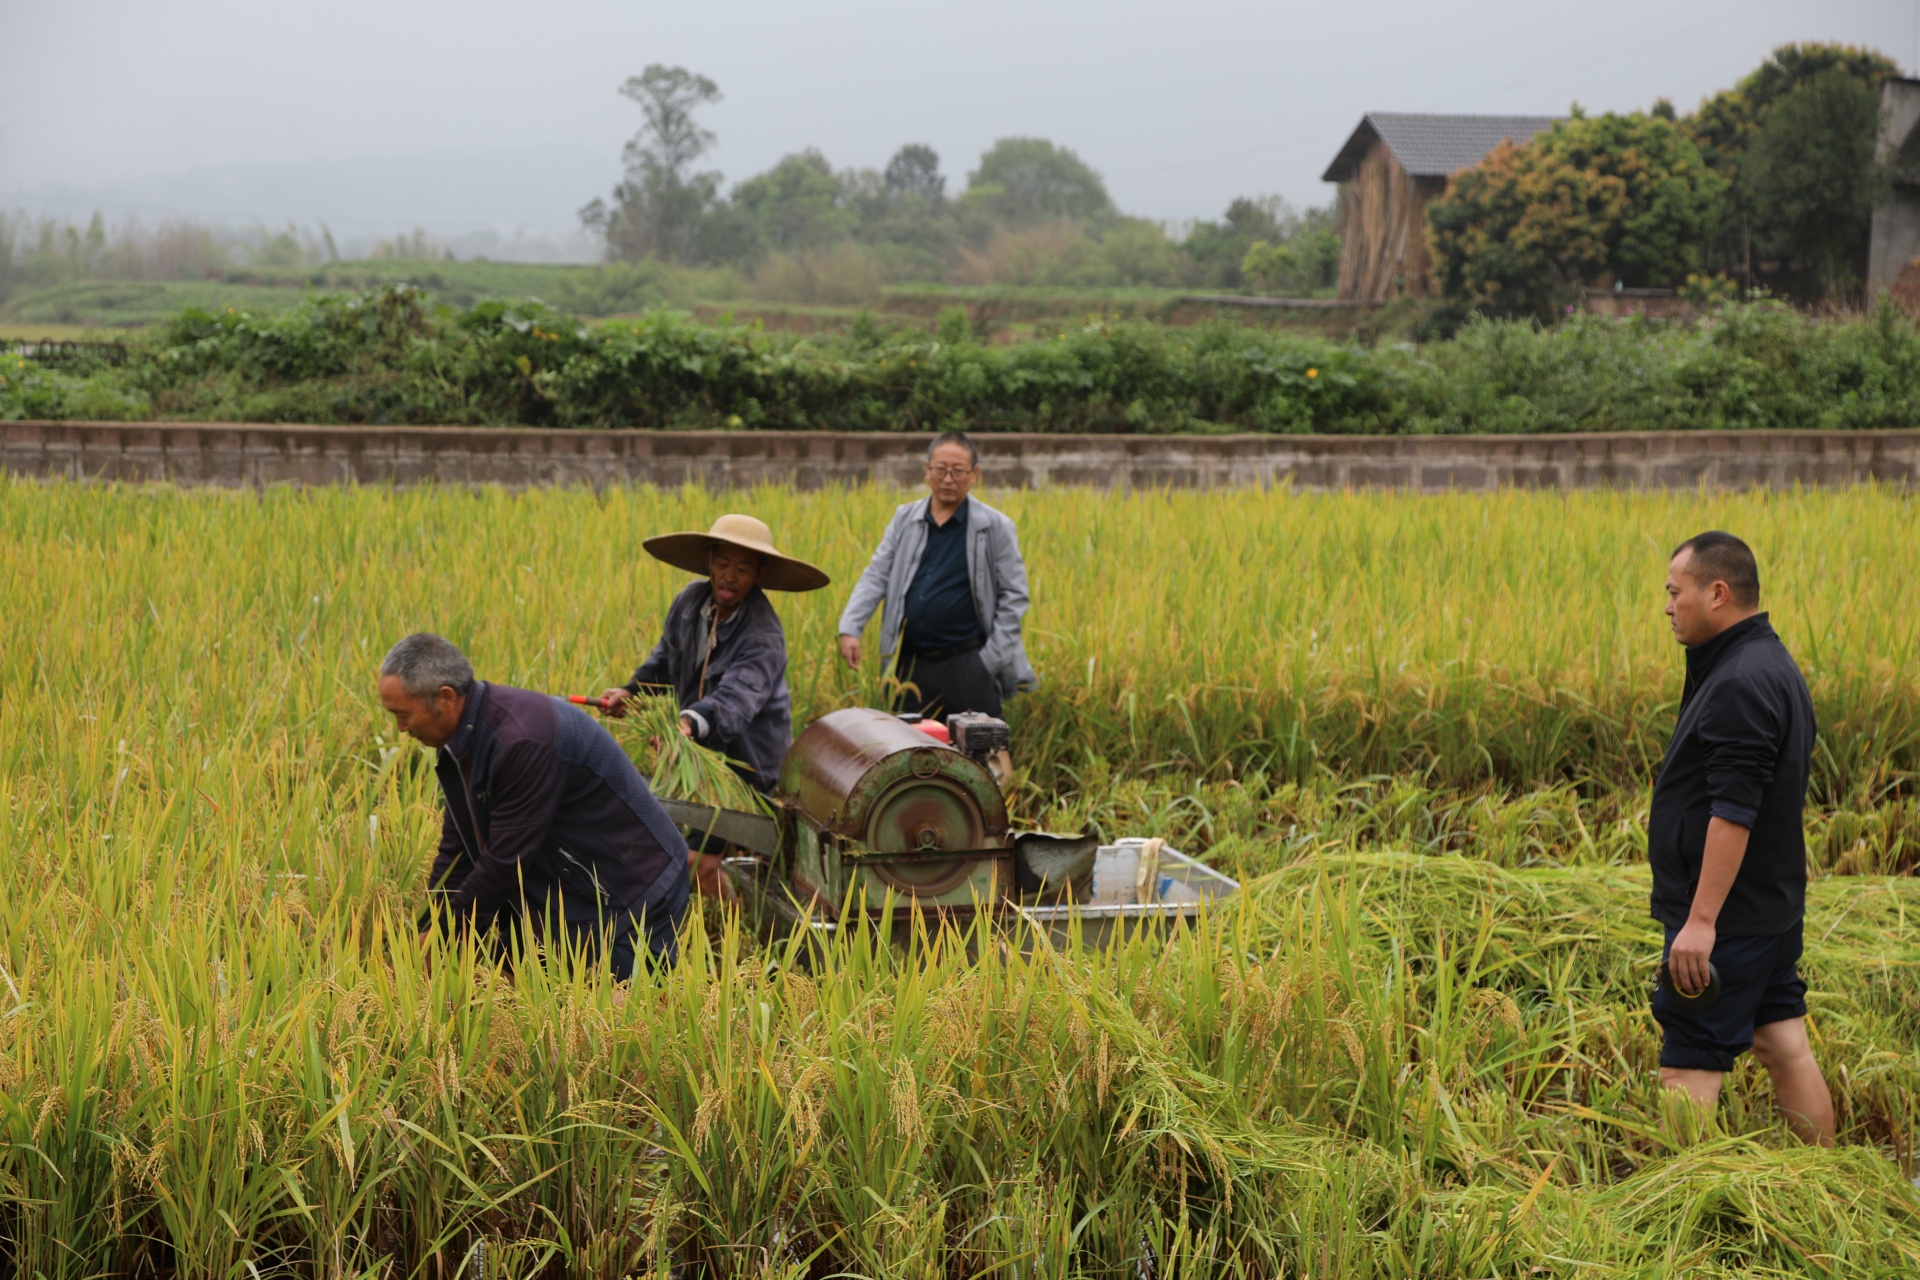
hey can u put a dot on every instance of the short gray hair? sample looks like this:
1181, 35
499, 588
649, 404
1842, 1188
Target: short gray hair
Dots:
425, 662
955, 437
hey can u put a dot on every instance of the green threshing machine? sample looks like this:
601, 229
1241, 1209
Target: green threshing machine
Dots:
879, 816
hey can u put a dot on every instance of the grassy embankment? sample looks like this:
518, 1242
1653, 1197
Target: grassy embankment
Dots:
1420, 729
1003, 312
594, 291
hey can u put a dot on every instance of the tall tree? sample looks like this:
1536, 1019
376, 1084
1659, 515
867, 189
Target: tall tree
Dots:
914, 174
797, 203
1294, 248
1813, 176
657, 210
1025, 180
1727, 125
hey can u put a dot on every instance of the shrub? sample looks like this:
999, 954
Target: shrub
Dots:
28, 390
387, 357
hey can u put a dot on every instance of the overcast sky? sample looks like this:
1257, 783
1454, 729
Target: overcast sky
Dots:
481, 112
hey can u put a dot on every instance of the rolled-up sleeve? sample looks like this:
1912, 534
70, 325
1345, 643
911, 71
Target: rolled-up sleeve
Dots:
1740, 739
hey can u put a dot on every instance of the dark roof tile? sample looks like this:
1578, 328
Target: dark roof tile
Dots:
1432, 146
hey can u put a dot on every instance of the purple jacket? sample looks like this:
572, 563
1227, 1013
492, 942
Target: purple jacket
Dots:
543, 809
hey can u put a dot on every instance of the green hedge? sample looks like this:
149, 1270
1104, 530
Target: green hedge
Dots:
386, 357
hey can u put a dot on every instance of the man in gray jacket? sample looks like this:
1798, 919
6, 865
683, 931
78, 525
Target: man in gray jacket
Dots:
955, 587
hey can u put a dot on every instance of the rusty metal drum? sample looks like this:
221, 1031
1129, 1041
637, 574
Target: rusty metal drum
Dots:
896, 810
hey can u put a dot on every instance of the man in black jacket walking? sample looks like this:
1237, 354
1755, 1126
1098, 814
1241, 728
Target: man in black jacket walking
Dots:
1725, 839
547, 825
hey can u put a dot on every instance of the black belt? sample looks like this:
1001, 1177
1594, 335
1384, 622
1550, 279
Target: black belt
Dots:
941, 655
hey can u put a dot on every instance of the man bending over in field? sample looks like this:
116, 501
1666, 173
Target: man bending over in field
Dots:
1725, 840
547, 825
722, 652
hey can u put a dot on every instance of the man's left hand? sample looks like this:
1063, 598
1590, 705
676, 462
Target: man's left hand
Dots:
1687, 957
686, 727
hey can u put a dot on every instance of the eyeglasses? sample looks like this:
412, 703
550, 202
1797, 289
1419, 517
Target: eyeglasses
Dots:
948, 473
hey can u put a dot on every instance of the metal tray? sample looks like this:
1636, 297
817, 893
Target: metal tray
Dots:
1185, 888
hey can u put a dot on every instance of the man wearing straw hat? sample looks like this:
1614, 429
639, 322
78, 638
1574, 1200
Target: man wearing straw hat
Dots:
722, 651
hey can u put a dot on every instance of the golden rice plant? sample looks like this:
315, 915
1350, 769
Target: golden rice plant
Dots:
1416, 1044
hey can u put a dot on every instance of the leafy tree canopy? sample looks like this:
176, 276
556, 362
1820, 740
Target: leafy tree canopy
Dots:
657, 209
1812, 173
1033, 212
1724, 125
914, 174
797, 203
1727, 125
1531, 226
1025, 180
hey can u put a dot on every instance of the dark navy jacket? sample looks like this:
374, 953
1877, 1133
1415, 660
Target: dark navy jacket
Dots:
544, 808
742, 709
1742, 751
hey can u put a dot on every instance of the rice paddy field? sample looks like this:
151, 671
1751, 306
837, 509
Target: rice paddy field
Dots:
1421, 730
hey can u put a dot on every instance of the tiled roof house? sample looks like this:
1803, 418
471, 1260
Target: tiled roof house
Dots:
1392, 166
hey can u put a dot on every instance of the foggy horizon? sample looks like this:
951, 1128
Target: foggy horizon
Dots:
378, 119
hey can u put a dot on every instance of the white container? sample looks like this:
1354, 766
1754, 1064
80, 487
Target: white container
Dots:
1185, 888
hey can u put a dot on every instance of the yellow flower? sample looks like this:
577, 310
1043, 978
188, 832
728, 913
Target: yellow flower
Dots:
1313, 373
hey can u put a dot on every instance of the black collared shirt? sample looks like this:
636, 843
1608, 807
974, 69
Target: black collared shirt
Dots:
940, 613
1742, 750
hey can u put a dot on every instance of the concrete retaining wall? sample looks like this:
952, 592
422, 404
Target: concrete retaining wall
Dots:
244, 456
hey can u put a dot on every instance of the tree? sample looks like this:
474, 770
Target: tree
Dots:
1219, 249
796, 204
1269, 267
1813, 176
1531, 226
657, 210
1026, 180
904, 209
1727, 125
1307, 258
1792, 65
914, 175
1265, 243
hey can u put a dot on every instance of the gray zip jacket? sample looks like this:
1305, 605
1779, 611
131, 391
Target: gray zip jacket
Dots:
995, 571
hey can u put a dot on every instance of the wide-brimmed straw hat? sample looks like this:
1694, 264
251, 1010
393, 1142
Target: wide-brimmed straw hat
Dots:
689, 551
